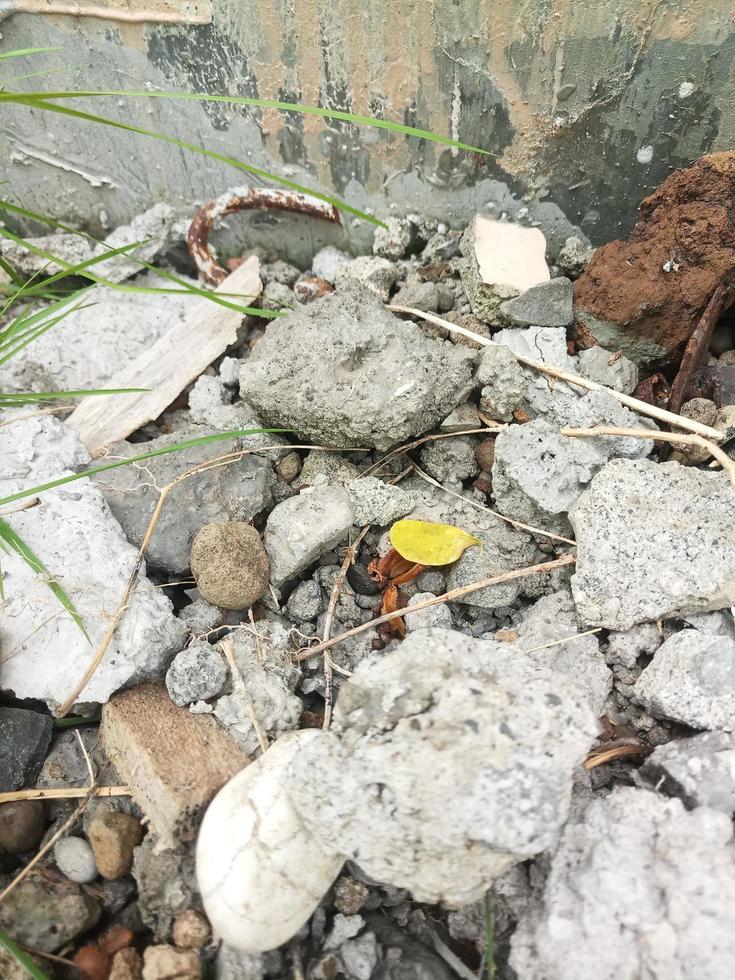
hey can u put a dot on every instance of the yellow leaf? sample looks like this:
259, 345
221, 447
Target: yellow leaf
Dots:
430, 544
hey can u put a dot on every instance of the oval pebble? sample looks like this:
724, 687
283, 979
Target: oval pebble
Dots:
75, 859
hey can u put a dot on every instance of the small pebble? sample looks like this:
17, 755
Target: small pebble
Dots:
75, 859
113, 836
191, 930
126, 965
168, 963
197, 673
359, 579
350, 895
289, 467
230, 564
21, 825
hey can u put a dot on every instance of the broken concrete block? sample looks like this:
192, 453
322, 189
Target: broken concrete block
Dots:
699, 770
681, 868
302, 528
328, 261
691, 679
654, 540
44, 916
173, 761
235, 492
345, 372
450, 460
544, 397
499, 735
376, 502
393, 240
82, 545
574, 257
500, 260
89, 346
547, 305
645, 295
367, 272
612, 370
505, 383
197, 673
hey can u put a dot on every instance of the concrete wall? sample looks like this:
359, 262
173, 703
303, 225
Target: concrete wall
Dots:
586, 104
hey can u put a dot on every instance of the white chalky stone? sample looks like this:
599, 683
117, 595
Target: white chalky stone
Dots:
260, 872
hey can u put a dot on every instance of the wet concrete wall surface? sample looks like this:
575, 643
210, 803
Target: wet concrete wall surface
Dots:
586, 106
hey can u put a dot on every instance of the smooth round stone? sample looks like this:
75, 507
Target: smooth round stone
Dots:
75, 859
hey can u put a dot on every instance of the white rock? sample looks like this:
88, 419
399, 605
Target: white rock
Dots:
260, 872
509, 254
75, 859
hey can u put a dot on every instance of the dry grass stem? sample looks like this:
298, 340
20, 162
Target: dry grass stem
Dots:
675, 438
415, 443
458, 593
565, 639
238, 685
553, 372
63, 793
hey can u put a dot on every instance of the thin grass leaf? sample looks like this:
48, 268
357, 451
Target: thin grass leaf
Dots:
31, 397
29, 336
22, 52
74, 721
19, 955
10, 271
35, 102
16, 544
165, 451
310, 110
34, 74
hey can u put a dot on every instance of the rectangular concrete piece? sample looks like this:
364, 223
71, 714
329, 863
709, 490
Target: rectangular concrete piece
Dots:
173, 761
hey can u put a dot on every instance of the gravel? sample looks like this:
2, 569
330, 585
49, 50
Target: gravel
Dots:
197, 673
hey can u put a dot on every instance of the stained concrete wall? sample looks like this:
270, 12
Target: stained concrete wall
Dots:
586, 105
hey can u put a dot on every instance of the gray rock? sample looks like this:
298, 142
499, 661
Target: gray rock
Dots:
544, 397
75, 859
653, 540
321, 467
44, 916
691, 679
699, 770
538, 474
236, 492
376, 502
500, 737
624, 648
262, 688
328, 261
504, 381
25, 737
420, 295
403, 957
200, 616
229, 564
80, 542
279, 271
450, 460
433, 580
305, 602
346, 372
166, 883
276, 296
197, 673
547, 305
233, 964
574, 256
463, 417
679, 866
612, 370
371, 272
393, 240
302, 528
438, 615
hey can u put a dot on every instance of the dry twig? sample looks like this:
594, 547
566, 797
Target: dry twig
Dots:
63, 793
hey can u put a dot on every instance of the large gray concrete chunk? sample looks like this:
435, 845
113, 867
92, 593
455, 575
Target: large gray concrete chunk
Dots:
653, 540
691, 679
449, 760
302, 528
233, 492
699, 770
345, 372
83, 547
549, 304
638, 888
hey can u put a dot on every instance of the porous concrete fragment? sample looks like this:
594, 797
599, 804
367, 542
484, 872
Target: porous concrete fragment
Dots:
369, 271
328, 261
197, 673
305, 602
392, 240
158, 748
438, 615
544, 396
44, 916
699, 770
499, 735
613, 370
262, 703
538, 473
321, 467
574, 256
233, 492
691, 679
625, 647
680, 867
94, 342
462, 418
504, 382
345, 372
166, 882
549, 304
419, 295
654, 540
376, 502
302, 528
450, 460
229, 564
499, 261
83, 547
25, 737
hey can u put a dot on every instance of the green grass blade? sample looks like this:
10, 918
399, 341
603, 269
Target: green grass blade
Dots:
22, 52
19, 955
29, 336
310, 110
13, 542
11, 399
165, 451
74, 721
36, 102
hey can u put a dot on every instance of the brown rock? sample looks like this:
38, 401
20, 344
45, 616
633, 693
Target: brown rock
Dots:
191, 930
645, 295
485, 454
230, 564
289, 467
126, 965
21, 825
173, 761
169, 963
113, 835
350, 895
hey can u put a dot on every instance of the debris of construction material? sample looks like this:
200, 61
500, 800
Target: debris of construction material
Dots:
645, 295
547, 305
613, 370
196, 674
